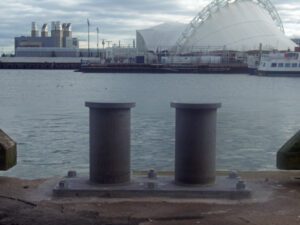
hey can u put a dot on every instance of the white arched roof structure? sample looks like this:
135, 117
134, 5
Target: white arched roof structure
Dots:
235, 25
238, 25
160, 37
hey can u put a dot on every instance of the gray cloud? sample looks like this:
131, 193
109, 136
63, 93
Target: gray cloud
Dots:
117, 19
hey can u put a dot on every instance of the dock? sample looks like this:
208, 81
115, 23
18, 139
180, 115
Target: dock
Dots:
165, 68
42, 63
64, 63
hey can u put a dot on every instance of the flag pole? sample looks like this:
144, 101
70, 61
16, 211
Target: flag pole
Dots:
88, 23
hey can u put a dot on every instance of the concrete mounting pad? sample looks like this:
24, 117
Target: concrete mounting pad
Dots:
162, 186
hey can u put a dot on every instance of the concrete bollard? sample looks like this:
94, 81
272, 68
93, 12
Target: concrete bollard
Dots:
195, 145
8, 152
109, 142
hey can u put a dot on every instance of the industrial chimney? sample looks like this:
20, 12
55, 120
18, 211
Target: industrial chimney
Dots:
34, 30
44, 32
67, 33
57, 34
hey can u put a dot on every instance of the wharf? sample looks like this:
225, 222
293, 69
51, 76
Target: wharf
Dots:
58, 63
39, 63
164, 68
275, 202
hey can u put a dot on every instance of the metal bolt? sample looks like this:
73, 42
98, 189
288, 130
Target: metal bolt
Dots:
240, 185
233, 175
62, 184
72, 174
152, 174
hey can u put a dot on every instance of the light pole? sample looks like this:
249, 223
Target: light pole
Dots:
104, 53
98, 42
88, 23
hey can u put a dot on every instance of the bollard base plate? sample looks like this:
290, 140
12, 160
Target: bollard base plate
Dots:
163, 186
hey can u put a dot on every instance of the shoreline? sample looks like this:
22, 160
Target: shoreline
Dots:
31, 202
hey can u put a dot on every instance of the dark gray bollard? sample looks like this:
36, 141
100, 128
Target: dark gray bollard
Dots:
109, 142
195, 143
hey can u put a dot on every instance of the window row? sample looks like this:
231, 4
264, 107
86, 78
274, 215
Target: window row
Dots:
285, 65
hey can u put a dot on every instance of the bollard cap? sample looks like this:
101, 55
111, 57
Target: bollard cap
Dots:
110, 105
191, 105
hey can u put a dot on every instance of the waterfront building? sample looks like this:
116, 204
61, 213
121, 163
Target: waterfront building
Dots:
41, 44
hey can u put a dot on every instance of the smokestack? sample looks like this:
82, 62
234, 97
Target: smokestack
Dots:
57, 34
67, 33
34, 30
45, 30
67, 30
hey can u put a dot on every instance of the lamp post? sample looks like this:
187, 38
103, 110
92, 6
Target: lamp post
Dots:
88, 23
104, 53
98, 42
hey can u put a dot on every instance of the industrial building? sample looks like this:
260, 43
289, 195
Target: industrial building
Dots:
231, 25
40, 44
61, 44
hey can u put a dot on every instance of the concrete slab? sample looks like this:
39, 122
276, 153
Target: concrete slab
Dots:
162, 186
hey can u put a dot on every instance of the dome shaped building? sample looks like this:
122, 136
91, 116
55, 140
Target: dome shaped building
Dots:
160, 37
237, 25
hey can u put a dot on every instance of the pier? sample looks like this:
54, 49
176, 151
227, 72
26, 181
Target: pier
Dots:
42, 63
165, 68
75, 64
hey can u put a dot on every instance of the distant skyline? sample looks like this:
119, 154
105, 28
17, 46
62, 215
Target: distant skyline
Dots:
116, 19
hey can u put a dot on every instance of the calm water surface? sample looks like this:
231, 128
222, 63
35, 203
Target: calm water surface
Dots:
44, 112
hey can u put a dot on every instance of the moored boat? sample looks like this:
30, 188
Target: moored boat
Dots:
280, 64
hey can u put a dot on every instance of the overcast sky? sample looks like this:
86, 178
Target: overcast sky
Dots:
117, 19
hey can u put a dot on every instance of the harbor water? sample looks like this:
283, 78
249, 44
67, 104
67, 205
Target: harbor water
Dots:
44, 112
